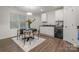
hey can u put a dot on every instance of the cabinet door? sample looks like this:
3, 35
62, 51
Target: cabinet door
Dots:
47, 30
43, 17
59, 14
51, 18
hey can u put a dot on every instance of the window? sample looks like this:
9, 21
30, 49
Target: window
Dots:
17, 21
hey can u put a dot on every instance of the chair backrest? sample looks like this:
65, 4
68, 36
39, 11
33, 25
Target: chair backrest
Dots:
22, 31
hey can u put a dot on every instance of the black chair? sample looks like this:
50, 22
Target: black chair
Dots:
20, 32
29, 37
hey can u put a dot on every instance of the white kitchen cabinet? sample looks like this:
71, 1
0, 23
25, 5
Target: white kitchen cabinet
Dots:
49, 18
47, 30
59, 14
44, 17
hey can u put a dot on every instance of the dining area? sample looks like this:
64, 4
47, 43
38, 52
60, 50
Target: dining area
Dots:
27, 39
26, 35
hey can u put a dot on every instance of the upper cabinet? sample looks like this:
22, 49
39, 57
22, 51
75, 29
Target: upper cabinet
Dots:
44, 17
48, 18
59, 14
51, 17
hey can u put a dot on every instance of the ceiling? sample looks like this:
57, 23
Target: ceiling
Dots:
38, 9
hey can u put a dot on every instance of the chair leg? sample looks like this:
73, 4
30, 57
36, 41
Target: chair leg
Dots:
30, 42
24, 41
28, 39
17, 36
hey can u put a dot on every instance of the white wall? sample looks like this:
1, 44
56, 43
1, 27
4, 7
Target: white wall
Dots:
70, 30
77, 15
5, 31
77, 23
37, 21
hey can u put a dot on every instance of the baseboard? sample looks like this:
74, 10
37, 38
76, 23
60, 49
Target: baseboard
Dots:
9, 37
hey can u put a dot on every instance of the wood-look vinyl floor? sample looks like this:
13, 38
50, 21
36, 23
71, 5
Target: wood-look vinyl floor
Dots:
8, 45
54, 45
49, 45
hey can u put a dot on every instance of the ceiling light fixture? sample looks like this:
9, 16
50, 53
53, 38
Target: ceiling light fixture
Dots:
31, 7
29, 13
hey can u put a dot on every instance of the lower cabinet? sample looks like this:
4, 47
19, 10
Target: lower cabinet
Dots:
47, 30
